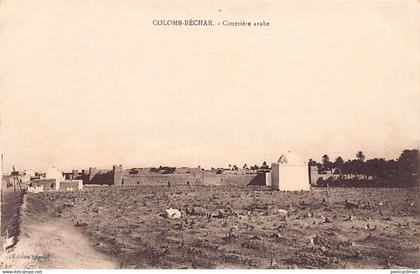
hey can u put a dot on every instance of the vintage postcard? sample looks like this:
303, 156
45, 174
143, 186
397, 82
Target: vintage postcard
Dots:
209, 135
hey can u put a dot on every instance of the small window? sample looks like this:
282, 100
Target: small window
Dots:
52, 185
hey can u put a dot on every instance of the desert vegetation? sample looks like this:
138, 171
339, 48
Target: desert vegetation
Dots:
376, 172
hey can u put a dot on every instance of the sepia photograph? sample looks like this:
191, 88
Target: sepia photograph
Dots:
222, 135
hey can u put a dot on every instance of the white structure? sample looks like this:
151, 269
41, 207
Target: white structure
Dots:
53, 173
290, 173
27, 174
268, 179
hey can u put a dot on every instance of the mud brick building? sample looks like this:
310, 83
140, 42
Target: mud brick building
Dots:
118, 175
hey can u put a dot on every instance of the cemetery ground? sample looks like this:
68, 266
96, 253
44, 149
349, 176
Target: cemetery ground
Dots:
224, 226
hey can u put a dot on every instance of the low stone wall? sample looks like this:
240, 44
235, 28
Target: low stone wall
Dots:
71, 185
43, 185
158, 179
182, 179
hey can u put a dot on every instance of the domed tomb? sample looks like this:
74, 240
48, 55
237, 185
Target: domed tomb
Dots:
290, 173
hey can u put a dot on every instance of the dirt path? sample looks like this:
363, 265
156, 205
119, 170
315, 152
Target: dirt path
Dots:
53, 243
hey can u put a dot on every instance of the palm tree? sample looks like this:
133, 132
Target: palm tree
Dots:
325, 159
339, 162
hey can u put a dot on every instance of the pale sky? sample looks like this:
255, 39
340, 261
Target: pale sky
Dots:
93, 83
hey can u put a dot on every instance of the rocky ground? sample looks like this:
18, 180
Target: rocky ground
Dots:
241, 226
